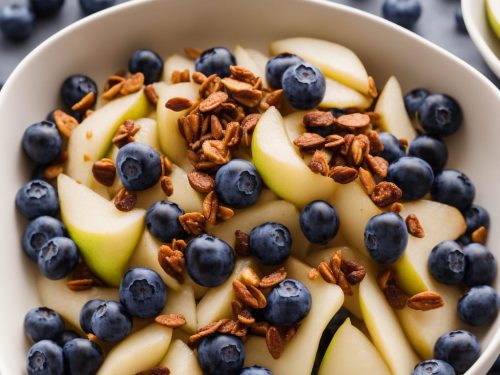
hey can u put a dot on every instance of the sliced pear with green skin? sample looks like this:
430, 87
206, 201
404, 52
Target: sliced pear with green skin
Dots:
493, 14
83, 151
105, 236
261, 61
140, 351
281, 168
299, 353
391, 108
176, 62
334, 60
181, 360
338, 95
341, 359
182, 301
244, 59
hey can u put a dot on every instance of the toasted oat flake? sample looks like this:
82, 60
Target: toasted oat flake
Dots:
125, 133
213, 101
318, 119
201, 182
386, 193
167, 185
85, 103
334, 140
178, 104
104, 171
225, 213
125, 200
166, 165
193, 222
211, 207
376, 145
353, 271
372, 87
353, 120
210, 85
216, 151
172, 261
319, 163
249, 277
273, 278
244, 295
151, 94
480, 235
193, 53
241, 73
65, 123
260, 328
309, 141
313, 274
216, 128
80, 284
275, 98
241, 243
342, 174
132, 84
425, 301
179, 76
396, 207
171, 320
414, 226
367, 181
378, 165
326, 273
245, 317
393, 293
52, 171
274, 342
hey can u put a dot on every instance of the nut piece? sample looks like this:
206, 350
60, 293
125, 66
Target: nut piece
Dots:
386, 193
334, 140
393, 293
241, 73
414, 227
376, 144
85, 103
172, 261
313, 274
125, 133
167, 185
260, 328
213, 101
319, 163
193, 53
480, 235
178, 104
245, 317
425, 301
65, 123
241, 243
318, 118
273, 279
171, 320
248, 125
52, 171
309, 141
367, 181
243, 295
343, 175
275, 98
113, 86
201, 182
216, 151
378, 165
151, 94
211, 207
354, 272
193, 222
132, 84
326, 273
80, 284
125, 200
354, 120
274, 342
104, 171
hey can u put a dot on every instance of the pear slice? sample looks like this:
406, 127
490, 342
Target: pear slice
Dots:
335, 60
176, 62
261, 60
92, 138
182, 301
341, 358
338, 95
281, 167
105, 236
140, 351
181, 360
299, 353
391, 108
244, 59
493, 14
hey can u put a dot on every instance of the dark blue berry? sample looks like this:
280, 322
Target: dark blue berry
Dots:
413, 100
42, 142
453, 188
111, 322
209, 260
480, 265
459, 348
46, 8
37, 198
475, 217
431, 149
148, 62
138, 165
16, 21
58, 258
162, 220
38, 232
412, 175
38, 173
66, 336
215, 60
86, 314
287, 303
143, 293
464, 239
45, 358
270, 243
319, 222
2, 83
459, 20
479, 306
256, 370
447, 262
75, 88
238, 184
440, 115
433, 367
93, 6
221, 355
393, 149
42, 323
386, 237
402, 12
303, 85
337, 112
277, 65
82, 357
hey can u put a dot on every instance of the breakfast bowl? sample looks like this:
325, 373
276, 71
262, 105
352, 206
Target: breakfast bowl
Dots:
99, 45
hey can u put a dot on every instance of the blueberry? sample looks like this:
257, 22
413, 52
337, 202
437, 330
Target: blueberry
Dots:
42, 142
38, 232
337, 112
209, 260
221, 355
38, 173
402, 12
58, 258
464, 239
440, 115
66, 336
215, 60
287, 303
412, 175
319, 222
45, 358
16, 21
453, 188
495, 369
238, 184
431, 149
148, 62
459, 20
143, 293
75, 88
475, 217
479, 306
138, 165
2, 84
433, 367
386, 237
270, 243
480, 265
86, 314
82, 357
37, 198
162, 220
393, 149
93, 6
459, 348
446, 262
277, 65
111, 322
42, 323
303, 85
46, 8
256, 370
413, 100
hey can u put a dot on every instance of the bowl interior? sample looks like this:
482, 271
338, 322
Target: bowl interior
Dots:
100, 44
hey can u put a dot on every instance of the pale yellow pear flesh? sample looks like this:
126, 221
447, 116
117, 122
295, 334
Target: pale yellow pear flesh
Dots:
181, 360
334, 60
493, 14
244, 59
182, 301
140, 351
351, 353
261, 61
176, 63
338, 95
281, 167
299, 353
105, 236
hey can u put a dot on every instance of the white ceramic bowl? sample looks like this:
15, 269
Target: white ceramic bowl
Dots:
486, 41
102, 43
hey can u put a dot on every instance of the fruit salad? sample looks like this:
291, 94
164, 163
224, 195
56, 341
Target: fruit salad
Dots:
228, 212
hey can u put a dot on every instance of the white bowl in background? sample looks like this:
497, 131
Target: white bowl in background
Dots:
100, 44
